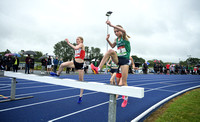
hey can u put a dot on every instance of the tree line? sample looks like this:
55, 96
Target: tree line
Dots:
64, 51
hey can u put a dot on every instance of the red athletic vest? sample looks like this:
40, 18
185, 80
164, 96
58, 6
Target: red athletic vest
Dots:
79, 53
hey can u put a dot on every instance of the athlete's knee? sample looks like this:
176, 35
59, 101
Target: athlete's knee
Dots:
61, 65
110, 51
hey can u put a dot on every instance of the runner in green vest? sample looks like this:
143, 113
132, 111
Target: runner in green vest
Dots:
120, 58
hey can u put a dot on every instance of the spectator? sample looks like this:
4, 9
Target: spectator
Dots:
27, 66
167, 67
85, 67
68, 70
165, 70
49, 64
61, 61
87, 63
172, 69
161, 68
198, 70
137, 65
32, 63
183, 69
176, 69
145, 68
180, 69
195, 70
55, 62
187, 69
1, 63
9, 63
44, 64
156, 68
15, 64
4, 63
192, 70
52, 64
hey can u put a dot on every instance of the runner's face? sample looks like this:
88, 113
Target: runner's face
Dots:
117, 33
78, 41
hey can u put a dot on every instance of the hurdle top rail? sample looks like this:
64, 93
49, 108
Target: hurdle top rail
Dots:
130, 91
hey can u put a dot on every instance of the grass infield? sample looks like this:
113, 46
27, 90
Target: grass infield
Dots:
184, 108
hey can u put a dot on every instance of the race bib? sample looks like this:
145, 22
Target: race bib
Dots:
77, 52
121, 51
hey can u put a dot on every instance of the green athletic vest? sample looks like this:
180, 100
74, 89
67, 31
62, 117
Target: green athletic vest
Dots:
123, 48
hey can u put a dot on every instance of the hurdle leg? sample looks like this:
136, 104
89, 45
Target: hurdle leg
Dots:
12, 92
112, 108
13, 89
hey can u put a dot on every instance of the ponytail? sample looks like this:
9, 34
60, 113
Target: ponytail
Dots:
124, 35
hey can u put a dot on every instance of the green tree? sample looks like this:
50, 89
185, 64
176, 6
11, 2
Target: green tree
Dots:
87, 50
64, 51
38, 55
193, 61
95, 53
22, 58
184, 63
137, 59
3, 53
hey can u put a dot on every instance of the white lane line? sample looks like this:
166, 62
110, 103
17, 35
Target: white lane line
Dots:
162, 90
42, 92
82, 110
75, 88
160, 103
28, 105
8, 86
168, 86
29, 87
161, 82
4, 86
88, 109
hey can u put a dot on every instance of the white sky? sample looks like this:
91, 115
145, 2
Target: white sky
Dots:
168, 30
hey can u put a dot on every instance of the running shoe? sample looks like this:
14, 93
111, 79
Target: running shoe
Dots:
124, 103
123, 97
79, 100
94, 69
53, 74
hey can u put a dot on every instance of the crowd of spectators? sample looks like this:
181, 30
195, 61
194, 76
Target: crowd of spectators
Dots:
48, 64
9, 63
175, 69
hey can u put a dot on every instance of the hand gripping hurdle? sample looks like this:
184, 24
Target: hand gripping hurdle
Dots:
94, 86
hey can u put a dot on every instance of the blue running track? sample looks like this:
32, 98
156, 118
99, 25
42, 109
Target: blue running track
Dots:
59, 103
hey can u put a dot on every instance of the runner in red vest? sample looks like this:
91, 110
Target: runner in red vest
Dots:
77, 63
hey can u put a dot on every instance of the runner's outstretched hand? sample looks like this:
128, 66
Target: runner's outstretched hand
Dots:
108, 23
67, 41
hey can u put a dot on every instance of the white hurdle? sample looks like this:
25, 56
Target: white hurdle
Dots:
94, 86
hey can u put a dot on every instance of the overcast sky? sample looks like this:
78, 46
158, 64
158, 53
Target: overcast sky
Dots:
168, 30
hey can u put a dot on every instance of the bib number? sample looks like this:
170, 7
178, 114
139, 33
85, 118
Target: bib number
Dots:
77, 53
121, 51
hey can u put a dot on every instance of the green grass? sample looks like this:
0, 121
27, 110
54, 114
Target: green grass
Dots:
184, 109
